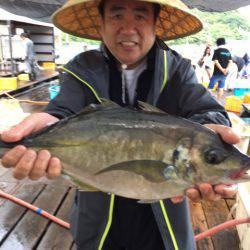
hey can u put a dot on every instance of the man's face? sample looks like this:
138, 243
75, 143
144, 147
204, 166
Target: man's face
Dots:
128, 29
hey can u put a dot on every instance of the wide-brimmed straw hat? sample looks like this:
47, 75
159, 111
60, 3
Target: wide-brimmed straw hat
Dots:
81, 18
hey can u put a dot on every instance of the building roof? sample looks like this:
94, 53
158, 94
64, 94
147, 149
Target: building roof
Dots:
5, 15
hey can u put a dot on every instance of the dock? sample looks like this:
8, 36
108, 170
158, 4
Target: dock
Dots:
45, 75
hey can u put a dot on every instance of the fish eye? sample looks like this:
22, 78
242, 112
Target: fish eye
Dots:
214, 156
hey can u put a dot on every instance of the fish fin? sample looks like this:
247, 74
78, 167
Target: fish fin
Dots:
149, 108
108, 103
98, 106
75, 180
151, 170
90, 108
147, 201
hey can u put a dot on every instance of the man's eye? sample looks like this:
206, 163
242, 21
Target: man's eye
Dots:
117, 17
140, 17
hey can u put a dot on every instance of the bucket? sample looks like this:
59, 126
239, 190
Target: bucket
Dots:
8, 83
53, 91
23, 77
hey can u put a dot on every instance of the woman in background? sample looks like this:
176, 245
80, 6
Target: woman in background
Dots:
206, 62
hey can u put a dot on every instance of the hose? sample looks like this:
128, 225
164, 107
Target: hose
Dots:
62, 223
42, 103
223, 226
35, 209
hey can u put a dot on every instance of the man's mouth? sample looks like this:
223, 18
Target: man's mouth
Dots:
128, 44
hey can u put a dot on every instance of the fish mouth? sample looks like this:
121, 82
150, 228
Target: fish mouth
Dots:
243, 174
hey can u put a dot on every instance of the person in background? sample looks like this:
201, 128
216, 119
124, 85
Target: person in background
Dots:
245, 72
239, 61
222, 61
29, 56
206, 62
231, 79
133, 64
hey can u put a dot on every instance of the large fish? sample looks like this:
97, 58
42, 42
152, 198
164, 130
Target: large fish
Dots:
138, 154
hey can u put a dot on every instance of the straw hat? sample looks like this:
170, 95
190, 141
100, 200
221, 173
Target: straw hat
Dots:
81, 18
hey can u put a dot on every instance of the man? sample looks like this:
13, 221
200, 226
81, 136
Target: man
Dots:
29, 55
222, 61
132, 65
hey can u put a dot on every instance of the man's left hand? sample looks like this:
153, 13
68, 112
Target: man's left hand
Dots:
207, 191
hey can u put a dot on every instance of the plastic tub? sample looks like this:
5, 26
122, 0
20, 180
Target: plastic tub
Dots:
23, 77
8, 83
49, 65
241, 91
233, 103
53, 91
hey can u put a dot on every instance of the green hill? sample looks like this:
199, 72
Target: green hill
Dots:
230, 25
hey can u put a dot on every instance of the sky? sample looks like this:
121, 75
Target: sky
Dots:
245, 12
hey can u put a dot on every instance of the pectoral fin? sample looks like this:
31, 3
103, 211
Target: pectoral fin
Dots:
152, 171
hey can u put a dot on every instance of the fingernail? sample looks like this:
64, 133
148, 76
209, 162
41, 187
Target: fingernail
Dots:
231, 188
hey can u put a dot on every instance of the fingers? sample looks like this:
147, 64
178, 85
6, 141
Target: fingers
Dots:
24, 165
226, 191
208, 192
54, 169
177, 199
17, 132
226, 133
28, 163
193, 194
12, 157
40, 165
30, 124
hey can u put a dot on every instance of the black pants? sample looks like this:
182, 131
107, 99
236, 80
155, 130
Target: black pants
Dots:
133, 227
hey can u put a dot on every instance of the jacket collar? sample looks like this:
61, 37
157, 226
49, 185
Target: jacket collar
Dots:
92, 68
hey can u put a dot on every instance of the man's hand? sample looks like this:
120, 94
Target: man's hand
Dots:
206, 191
225, 71
26, 162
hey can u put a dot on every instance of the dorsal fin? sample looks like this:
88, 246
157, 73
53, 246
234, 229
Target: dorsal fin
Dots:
149, 108
108, 103
98, 106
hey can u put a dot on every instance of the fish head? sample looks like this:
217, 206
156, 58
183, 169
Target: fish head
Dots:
218, 162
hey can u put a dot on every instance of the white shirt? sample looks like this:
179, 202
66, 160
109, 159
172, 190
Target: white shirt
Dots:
131, 77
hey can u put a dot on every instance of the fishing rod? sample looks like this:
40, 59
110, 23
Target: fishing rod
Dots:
208, 233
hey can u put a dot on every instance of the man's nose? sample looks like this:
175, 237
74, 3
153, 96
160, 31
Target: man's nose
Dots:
128, 27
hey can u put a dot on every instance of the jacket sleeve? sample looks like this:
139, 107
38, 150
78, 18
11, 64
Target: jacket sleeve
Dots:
194, 101
72, 98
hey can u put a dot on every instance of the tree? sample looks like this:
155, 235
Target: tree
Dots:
227, 24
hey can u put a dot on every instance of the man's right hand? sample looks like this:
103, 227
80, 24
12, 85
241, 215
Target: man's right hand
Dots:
27, 162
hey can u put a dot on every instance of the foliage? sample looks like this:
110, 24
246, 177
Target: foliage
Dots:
228, 24
69, 38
